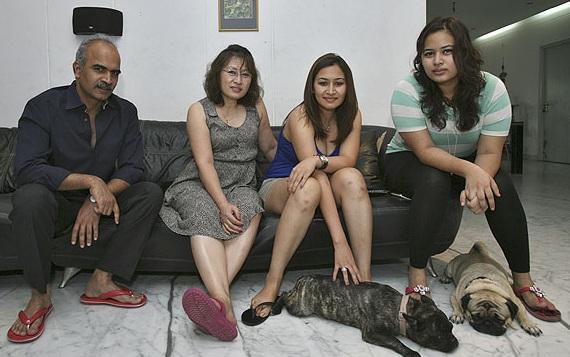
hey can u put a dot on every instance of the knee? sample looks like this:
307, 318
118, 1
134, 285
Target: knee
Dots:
350, 182
34, 198
504, 182
309, 196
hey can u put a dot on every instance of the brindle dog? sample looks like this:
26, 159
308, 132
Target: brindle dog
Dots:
374, 309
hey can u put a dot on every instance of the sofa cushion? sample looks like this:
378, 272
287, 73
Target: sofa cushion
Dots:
368, 157
5, 207
166, 150
381, 145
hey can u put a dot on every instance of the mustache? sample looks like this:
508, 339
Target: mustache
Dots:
104, 86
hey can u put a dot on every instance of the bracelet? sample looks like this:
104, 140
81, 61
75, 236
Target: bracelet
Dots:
324, 161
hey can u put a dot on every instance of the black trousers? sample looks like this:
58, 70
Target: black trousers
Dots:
38, 215
430, 189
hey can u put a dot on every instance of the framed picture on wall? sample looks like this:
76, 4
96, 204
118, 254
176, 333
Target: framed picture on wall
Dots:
238, 15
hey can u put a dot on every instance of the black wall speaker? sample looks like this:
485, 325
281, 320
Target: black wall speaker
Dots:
90, 20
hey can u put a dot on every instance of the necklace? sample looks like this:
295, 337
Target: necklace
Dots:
225, 116
454, 145
455, 134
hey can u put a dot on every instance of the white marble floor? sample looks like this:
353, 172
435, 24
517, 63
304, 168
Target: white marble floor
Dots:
162, 329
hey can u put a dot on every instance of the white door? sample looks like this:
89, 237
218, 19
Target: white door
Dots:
556, 103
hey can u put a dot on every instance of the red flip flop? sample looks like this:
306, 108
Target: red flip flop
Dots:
28, 321
210, 318
541, 313
109, 299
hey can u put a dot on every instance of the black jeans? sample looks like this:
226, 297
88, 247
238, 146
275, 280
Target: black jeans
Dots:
430, 189
40, 214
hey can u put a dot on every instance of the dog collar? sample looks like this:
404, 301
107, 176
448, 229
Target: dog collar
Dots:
401, 319
477, 278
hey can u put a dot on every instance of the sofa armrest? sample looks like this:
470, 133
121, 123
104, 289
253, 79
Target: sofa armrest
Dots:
7, 154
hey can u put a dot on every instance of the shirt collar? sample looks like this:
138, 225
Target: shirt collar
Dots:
73, 101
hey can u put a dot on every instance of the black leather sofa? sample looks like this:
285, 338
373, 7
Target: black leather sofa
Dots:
167, 152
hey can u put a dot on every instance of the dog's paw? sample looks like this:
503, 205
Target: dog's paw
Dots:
457, 318
445, 279
532, 329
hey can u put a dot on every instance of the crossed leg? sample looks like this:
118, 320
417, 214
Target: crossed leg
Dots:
218, 262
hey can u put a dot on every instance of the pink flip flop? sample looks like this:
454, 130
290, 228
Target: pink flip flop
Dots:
28, 321
109, 299
210, 318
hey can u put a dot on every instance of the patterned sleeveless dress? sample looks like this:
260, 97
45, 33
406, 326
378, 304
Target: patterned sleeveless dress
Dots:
188, 209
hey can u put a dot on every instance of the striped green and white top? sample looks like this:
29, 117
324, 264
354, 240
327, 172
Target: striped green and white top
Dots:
494, 114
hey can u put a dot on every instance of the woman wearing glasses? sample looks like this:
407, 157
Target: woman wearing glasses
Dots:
214, 199
314, 167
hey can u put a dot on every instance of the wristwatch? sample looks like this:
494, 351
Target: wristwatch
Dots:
324, 161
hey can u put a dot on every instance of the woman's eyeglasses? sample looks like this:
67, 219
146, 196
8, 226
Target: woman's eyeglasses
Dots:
246, 76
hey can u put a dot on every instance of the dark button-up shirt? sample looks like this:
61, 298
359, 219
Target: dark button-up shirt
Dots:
54, 140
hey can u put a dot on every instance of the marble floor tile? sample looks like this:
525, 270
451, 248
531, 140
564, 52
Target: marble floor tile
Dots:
161, 328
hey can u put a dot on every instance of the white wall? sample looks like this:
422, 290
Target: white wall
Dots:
166, 46
521, 49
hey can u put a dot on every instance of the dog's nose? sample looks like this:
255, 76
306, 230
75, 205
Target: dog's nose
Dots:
451, 344
490, 328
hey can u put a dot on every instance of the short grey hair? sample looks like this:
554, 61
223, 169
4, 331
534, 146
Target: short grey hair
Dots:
81, 54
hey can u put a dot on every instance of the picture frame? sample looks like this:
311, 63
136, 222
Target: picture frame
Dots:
238, 15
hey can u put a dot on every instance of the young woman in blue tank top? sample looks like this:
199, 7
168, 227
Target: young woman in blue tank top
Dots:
314, 167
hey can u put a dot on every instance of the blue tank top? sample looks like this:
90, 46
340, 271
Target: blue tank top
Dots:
286, 158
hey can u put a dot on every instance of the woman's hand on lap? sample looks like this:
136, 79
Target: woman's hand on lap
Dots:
480, 191
230, 218
301, 173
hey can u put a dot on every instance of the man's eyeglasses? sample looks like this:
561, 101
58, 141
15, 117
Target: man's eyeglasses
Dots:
246, 76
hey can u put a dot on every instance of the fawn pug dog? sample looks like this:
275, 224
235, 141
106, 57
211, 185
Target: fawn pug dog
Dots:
483, 294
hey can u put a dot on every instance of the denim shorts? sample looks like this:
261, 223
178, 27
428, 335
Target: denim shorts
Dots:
266, 186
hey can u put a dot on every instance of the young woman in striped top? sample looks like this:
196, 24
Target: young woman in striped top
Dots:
452, 120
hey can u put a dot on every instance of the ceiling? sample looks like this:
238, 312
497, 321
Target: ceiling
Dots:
484, 16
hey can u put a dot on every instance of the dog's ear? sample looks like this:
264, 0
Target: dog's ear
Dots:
413, 323
513, 308
465, 301
426, 300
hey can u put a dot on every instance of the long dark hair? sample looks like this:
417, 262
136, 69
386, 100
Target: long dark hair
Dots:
345, 113
470, 80
212, 81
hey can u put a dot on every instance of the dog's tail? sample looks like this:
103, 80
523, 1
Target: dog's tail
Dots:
480, 247
279, 303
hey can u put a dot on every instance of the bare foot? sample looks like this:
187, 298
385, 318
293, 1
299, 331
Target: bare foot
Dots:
230, 316
37, 302
267, 294
522, 280
101, 282
531, 298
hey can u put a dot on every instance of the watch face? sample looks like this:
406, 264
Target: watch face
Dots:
324, 161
